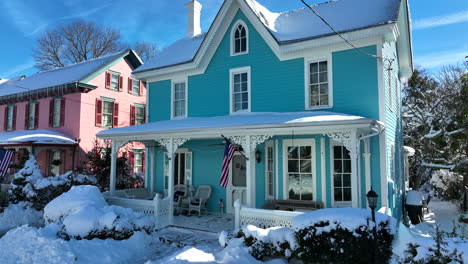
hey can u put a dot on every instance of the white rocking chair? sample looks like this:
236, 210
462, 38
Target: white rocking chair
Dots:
198, 202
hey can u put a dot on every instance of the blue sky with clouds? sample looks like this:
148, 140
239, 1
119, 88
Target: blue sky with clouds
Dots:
440, 28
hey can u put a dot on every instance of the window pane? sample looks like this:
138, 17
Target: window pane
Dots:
337, 180
237, 87
306, 166
244, 77
324, 100
237, 45
347, 166
294, 186
346, 153
337, 152
237, 78
323, 66
237, 98
244, 86
306, 191
237, 106
346, 180
305, 152
323, 77
337, 165
293, 165
245, 105
314, 67
338, 195
324, 88
243, 45
293, 152
314, 100
346, 194
314, 78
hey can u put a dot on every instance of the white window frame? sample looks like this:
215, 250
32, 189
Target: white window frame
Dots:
332, 172
138, 106
136, 86
307, 62
140, 166
233, 31
231, 89
112, 113
56, 115
110, 81
270, 144
174, 82
31, 115
10, 112
299, 142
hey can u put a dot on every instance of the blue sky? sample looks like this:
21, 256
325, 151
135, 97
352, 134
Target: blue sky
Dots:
440, 28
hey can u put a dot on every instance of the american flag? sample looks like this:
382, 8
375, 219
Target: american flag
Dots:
229, 150
6, 156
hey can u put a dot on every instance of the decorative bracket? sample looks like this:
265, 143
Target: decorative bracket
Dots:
171, 144
250, 142
342, 137
117, 145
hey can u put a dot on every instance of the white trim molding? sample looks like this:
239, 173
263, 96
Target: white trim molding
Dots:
307, 61
238, 23
173, 83
232, 72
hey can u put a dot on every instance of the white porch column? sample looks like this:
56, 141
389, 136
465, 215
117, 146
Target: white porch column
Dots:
367, 165
115, 147
323, 171
354, 153
153, 169
171, 145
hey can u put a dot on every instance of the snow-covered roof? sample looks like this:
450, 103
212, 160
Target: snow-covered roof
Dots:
242, 122
61, 76
292, 26
41, 136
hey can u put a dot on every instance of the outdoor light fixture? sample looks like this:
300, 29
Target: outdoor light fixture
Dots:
372, 202
258, 156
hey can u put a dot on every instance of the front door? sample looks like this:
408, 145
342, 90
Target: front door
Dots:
237, 187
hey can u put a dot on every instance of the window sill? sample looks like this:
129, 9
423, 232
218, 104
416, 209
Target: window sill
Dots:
240, 112
319, 107
239, 54
179, 117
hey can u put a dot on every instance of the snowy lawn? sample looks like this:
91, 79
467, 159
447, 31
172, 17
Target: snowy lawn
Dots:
17, 215
441, 213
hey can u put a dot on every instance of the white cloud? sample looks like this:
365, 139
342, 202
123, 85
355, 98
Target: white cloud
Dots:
439, 59
437, 21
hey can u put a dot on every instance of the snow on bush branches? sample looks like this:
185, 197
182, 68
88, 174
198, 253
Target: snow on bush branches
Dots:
84, 214
334, 235
29, 185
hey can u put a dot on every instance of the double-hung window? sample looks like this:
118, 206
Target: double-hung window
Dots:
179, 99
139, 115
56, 114
138, 161
107, 113
9, 126
299, 168
240, 90
136, 87
319, 94
114, 84
31, 116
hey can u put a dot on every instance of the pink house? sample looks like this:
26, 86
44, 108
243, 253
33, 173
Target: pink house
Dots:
56, 114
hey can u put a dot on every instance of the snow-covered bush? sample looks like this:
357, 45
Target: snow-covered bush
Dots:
447, 185
334, 235
438, 252
30, 185
83, 213
19, 214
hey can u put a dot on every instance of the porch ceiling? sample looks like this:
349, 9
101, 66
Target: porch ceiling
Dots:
245, 123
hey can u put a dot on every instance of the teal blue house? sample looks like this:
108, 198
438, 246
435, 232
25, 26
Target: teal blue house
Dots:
314, 118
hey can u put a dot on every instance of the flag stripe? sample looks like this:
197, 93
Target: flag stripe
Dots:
5, 161
229, 151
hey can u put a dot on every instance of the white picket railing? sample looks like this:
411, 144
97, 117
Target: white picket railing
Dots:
261, 217
157, 207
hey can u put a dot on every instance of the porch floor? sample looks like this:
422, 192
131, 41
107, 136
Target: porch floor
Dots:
209, 223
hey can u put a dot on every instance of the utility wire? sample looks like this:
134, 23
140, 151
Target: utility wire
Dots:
390, 61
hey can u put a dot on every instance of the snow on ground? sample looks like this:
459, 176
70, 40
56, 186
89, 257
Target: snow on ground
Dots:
441, 213
17, 215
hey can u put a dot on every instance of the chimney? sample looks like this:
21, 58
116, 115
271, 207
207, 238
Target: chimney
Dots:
193, 23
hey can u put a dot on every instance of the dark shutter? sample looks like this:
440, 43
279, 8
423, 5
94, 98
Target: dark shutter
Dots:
62, 112
144, 114
130, 85
98, 117
143, 162
132, 115
26, 116
115, 122
5, 124
131, 159
36, 116
51, 113
108, 80
120, 83
14, 117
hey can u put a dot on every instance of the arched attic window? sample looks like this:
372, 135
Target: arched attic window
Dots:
239, 36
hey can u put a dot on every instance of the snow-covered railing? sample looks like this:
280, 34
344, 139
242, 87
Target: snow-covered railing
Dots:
261, 217
157, 207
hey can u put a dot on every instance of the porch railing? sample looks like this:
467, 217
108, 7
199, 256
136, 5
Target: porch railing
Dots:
262, 218
159, 208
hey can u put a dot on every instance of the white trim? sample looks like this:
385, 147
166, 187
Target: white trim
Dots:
231, 88
383, 135
233, 29
276, 170
367, 165
269, 144
307, 62
299, 142
173, 83
323, 171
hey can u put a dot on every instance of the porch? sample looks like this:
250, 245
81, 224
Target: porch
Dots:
281, 156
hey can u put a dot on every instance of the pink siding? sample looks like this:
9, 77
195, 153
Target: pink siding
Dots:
80, 115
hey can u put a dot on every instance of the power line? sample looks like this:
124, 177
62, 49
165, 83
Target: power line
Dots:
390, 61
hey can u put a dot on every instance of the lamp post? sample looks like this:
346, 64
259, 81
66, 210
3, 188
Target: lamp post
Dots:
372, 203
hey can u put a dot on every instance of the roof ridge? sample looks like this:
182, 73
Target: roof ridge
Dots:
85, 61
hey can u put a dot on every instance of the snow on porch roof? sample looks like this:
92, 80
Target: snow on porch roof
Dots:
243, 121
35, 137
